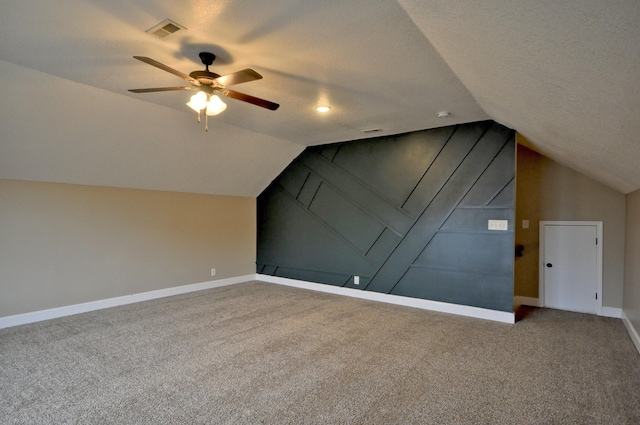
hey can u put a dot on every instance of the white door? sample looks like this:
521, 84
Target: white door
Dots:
570, 267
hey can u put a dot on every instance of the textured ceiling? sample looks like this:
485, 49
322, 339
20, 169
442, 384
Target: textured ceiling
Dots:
564, 75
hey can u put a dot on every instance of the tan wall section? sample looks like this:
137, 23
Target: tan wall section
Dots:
547, 190
631, 305
67, 244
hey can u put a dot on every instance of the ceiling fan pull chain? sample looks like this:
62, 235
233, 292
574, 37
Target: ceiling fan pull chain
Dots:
198, 116
206, 122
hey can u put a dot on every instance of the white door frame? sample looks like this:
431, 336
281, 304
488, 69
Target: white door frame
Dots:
598, 225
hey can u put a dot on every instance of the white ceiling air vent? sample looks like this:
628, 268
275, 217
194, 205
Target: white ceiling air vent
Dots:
165, 29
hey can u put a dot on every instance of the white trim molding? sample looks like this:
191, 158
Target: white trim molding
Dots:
461, 310
633, 333
53, 313
611, 312
536, 302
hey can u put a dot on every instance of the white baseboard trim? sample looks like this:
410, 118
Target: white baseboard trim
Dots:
535, 302
461, 310
611, 312
53, 313
632, 331
530, 301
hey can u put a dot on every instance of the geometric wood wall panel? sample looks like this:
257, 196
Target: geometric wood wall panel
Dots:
407, 214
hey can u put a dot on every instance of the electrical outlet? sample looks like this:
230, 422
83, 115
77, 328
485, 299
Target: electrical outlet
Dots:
213, 272
356, 280
498, 224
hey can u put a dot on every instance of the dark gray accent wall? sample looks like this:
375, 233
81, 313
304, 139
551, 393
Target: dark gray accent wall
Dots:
408, 214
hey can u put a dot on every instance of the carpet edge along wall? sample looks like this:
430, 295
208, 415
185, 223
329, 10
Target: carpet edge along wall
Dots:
404, 215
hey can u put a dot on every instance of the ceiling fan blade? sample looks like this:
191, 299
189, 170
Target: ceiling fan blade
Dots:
159, 89
243, 76
165, 68
250, 99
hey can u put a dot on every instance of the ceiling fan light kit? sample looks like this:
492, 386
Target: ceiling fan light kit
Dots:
211, 104
198, 101
215, 106
209, 84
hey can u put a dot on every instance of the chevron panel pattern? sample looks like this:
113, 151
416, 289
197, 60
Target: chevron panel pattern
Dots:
407, 214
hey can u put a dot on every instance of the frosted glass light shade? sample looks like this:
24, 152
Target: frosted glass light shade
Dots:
198, 101
215, 106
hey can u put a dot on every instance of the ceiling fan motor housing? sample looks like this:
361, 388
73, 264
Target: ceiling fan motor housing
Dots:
205, 77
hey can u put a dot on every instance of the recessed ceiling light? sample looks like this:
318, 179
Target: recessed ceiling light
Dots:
323, 108
443, 114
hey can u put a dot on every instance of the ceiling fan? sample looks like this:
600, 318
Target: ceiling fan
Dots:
209, 84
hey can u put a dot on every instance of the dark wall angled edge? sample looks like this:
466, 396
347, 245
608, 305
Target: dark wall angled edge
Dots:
407, 214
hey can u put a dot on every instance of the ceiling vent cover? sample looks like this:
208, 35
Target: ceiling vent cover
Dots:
165, 29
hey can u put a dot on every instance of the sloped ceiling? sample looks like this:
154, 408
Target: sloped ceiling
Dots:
564, 75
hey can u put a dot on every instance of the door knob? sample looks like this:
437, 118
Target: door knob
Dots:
549, 265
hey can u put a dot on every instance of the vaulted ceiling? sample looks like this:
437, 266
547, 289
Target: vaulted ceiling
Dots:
564, 74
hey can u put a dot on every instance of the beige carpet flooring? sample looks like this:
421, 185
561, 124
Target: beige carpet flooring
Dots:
259, 353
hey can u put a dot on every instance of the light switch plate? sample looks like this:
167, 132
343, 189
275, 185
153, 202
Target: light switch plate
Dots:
498, 224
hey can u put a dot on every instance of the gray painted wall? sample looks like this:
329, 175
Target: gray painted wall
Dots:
631, 305
407, 214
